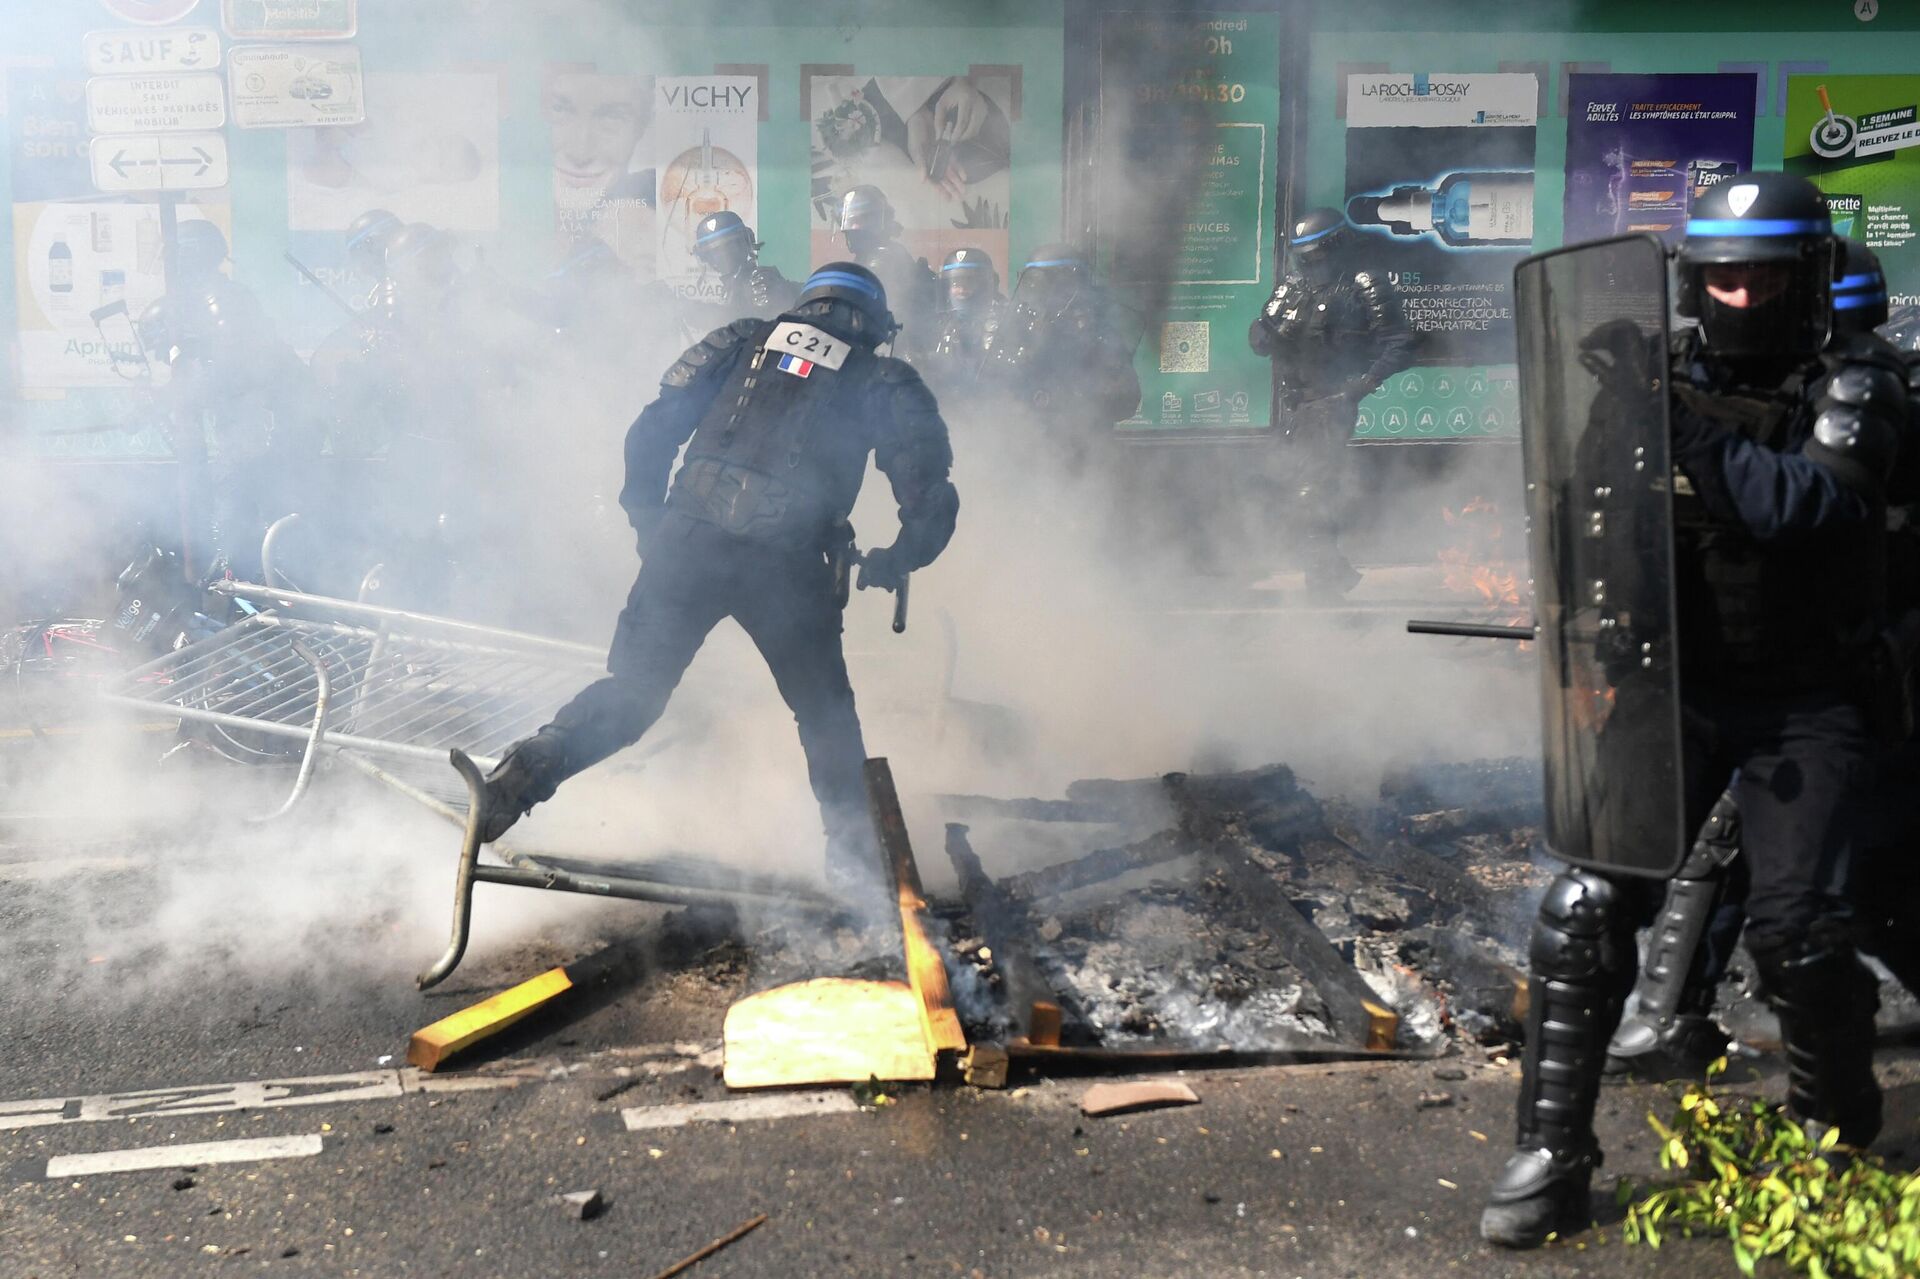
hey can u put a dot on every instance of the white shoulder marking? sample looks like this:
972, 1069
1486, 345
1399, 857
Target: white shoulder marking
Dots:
790, 337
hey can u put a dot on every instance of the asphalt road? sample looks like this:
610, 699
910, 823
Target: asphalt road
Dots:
142, 965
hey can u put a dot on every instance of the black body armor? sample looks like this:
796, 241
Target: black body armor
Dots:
1329, 337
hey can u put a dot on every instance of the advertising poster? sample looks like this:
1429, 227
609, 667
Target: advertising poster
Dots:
1211, 87
603, 170
429, 149
1439, 185
47, 135
1642, 148
82, 272
939, 147
1858, 138
705, 144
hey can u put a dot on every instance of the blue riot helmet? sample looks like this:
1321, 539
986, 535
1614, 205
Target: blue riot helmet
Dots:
848, 292
1317, 243
1758, 265
199, 248
723, 243
1054, 275
968, 280
866, 218
367, 237
1860, 297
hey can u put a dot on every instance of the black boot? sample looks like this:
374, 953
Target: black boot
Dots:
526, 775
1825, 999
1681, 1048
1582, 968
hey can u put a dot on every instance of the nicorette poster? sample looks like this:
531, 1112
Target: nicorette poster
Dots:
1440, 186
1858, 139
1642, 148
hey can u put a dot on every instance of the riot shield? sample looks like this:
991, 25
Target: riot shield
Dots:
1592, 323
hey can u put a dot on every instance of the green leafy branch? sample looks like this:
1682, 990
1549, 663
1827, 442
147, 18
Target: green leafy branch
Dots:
1752, 1172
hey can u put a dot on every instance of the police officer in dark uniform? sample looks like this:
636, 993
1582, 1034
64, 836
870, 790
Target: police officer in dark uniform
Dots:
970, 304
778, 418
725, 246
1779, 518
1335, 332
872, 234
1672, 1032
1059, 350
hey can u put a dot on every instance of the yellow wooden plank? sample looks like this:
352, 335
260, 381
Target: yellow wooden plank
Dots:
1382, 1025
926, 971
430, 1047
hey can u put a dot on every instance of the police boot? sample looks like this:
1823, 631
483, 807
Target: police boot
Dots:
1582, 967
1825, 999
1678, 1047
526, 775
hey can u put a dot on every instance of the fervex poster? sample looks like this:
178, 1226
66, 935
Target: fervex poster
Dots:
1642, 148
1858, 138
1440, 189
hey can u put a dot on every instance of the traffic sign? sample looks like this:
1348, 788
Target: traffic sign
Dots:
158, 161
296, 86
268, 20
156, 103
151, 12
125, 52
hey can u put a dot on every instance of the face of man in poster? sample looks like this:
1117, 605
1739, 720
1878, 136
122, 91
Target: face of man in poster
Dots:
596, 122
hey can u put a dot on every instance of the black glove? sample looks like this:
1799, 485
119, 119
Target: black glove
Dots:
1360, 387
882, 570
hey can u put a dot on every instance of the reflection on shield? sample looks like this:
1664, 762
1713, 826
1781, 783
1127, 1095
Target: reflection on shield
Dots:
1592, 328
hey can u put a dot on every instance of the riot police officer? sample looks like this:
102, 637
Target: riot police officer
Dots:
1778, 519
872, 233
1672, 1032
750, 529
1335, 332
725, 247
1059, 350
970, 304
367, 238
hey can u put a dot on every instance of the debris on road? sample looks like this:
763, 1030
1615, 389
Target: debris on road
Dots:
430, 1047
723, 1241
582, 1205
1146, 1094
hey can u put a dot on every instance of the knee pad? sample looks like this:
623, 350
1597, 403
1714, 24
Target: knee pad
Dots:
1579, 932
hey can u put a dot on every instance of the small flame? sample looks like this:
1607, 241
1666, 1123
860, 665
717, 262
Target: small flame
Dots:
1475, 565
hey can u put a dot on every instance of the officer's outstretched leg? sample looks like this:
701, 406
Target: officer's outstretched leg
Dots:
675, 602
1825, 999
1582, 967
1672, 1032
794, 618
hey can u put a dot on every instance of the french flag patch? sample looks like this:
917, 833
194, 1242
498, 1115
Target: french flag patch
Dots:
795, 365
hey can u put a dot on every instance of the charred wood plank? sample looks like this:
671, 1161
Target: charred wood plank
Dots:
1004, 925
962, 807
1096, 867
1359, 1018
926, 971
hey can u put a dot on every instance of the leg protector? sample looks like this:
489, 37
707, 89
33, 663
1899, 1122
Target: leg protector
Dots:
1582, 957
1671, 1031
1825, 998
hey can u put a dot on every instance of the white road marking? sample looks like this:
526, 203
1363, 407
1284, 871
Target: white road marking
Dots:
191, 1155
314, 1090
740, 1110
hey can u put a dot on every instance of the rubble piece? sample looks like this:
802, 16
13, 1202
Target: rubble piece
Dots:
1096, 867
1358, 1017
1487, 794
432, 1046
985, 1066
1433, 1100
1146, 1094
831, 1030
1043, 1024
744, 1229
926, 971
1005, 926
582, 1205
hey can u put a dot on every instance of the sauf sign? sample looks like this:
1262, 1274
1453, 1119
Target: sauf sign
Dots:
137, 50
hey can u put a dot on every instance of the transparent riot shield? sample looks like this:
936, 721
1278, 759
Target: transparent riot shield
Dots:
1592, 323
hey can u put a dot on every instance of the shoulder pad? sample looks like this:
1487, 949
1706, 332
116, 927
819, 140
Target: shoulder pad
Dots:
703, 354
1363, 278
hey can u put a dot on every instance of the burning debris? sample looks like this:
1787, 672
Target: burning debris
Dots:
1259, 918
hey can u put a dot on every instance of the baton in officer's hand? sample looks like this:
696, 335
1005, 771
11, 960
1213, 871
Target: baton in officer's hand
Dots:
899, 589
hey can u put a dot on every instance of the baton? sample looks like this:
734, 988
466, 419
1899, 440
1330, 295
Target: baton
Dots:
322, 285
1476, 630
900, 604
